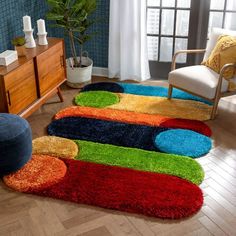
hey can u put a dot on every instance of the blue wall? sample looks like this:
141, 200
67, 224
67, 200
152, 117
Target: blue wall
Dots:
12, 11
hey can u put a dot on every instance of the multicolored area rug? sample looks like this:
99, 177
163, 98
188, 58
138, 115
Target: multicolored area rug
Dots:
133, 118
175, 141
112, 155
146, 99
124, 147
176, 108
138, 89
123, 189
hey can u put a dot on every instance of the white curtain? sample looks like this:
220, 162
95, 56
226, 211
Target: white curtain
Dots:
128, 54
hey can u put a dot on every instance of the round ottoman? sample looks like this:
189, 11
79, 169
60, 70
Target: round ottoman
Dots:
15, 143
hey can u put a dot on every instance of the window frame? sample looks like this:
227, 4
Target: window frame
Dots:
160, 35
198, 34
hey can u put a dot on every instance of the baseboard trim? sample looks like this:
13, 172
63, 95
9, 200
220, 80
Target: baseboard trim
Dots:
100, 71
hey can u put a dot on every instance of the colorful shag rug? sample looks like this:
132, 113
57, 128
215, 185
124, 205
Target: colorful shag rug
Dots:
130, 149
131, 135
176, 108
122, 189
138, 89
180, 166
134, 118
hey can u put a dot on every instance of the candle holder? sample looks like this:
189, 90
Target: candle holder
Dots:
29, 38
42, 39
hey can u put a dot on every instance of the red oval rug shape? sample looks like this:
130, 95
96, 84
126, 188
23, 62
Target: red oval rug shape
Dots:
194, 125
151, 194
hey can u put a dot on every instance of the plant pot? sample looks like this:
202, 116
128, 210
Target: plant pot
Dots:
20, 51
77, 77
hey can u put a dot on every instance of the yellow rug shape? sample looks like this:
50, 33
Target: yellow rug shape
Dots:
55, 146
176, 108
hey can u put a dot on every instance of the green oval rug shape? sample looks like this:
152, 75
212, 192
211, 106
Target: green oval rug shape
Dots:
98, 99
138, 159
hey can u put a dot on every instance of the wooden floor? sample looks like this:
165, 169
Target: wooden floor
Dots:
22, 214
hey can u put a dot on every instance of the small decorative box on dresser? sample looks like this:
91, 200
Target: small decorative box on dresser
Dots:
29, 82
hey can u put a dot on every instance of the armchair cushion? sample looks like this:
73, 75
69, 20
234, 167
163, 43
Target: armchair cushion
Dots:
223, 53
198, 79
214, 35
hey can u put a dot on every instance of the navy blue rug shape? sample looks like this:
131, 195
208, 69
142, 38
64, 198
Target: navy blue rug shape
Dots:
107, 132
104, 86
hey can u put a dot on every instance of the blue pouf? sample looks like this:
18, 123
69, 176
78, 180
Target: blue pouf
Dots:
183, 142
15, 143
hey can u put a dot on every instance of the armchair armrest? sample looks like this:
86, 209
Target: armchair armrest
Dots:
226, 66
192, 51
221, 76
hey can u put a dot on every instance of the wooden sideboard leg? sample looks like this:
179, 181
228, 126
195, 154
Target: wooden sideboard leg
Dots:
60, 94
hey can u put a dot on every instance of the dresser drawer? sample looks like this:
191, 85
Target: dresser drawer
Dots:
20, 88
51, 70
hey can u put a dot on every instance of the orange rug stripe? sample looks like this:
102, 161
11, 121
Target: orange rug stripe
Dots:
112, 115
133, 118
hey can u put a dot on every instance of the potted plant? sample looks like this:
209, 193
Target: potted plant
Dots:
72, 17
19, 43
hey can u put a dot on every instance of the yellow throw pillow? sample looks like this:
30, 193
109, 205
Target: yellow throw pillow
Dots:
223, 53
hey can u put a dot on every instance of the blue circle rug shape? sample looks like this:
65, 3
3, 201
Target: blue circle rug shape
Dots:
183, 142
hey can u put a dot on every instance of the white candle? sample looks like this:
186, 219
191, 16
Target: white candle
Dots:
41, 26
27, 23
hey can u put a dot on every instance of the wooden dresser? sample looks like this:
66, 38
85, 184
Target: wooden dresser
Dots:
29, 82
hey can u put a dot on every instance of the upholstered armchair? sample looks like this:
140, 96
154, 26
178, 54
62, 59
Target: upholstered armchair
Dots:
200, 80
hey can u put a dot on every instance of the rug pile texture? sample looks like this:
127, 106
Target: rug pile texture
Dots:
124, 147
123, 189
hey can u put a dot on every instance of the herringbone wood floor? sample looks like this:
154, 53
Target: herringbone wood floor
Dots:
22, 214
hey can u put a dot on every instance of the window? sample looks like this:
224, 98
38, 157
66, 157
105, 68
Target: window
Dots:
168, 28
173, 25
222, 14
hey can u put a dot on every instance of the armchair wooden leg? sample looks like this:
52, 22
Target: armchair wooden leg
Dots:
60, 94
214, 109
170, 91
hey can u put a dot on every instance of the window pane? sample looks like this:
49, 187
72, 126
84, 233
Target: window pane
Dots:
153, 3
167, 22
231, 5
181, 44
166, 49
215, 20
153, 21
184, 3
153, 48
230, 22
182, 24
168, 3
217, 4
